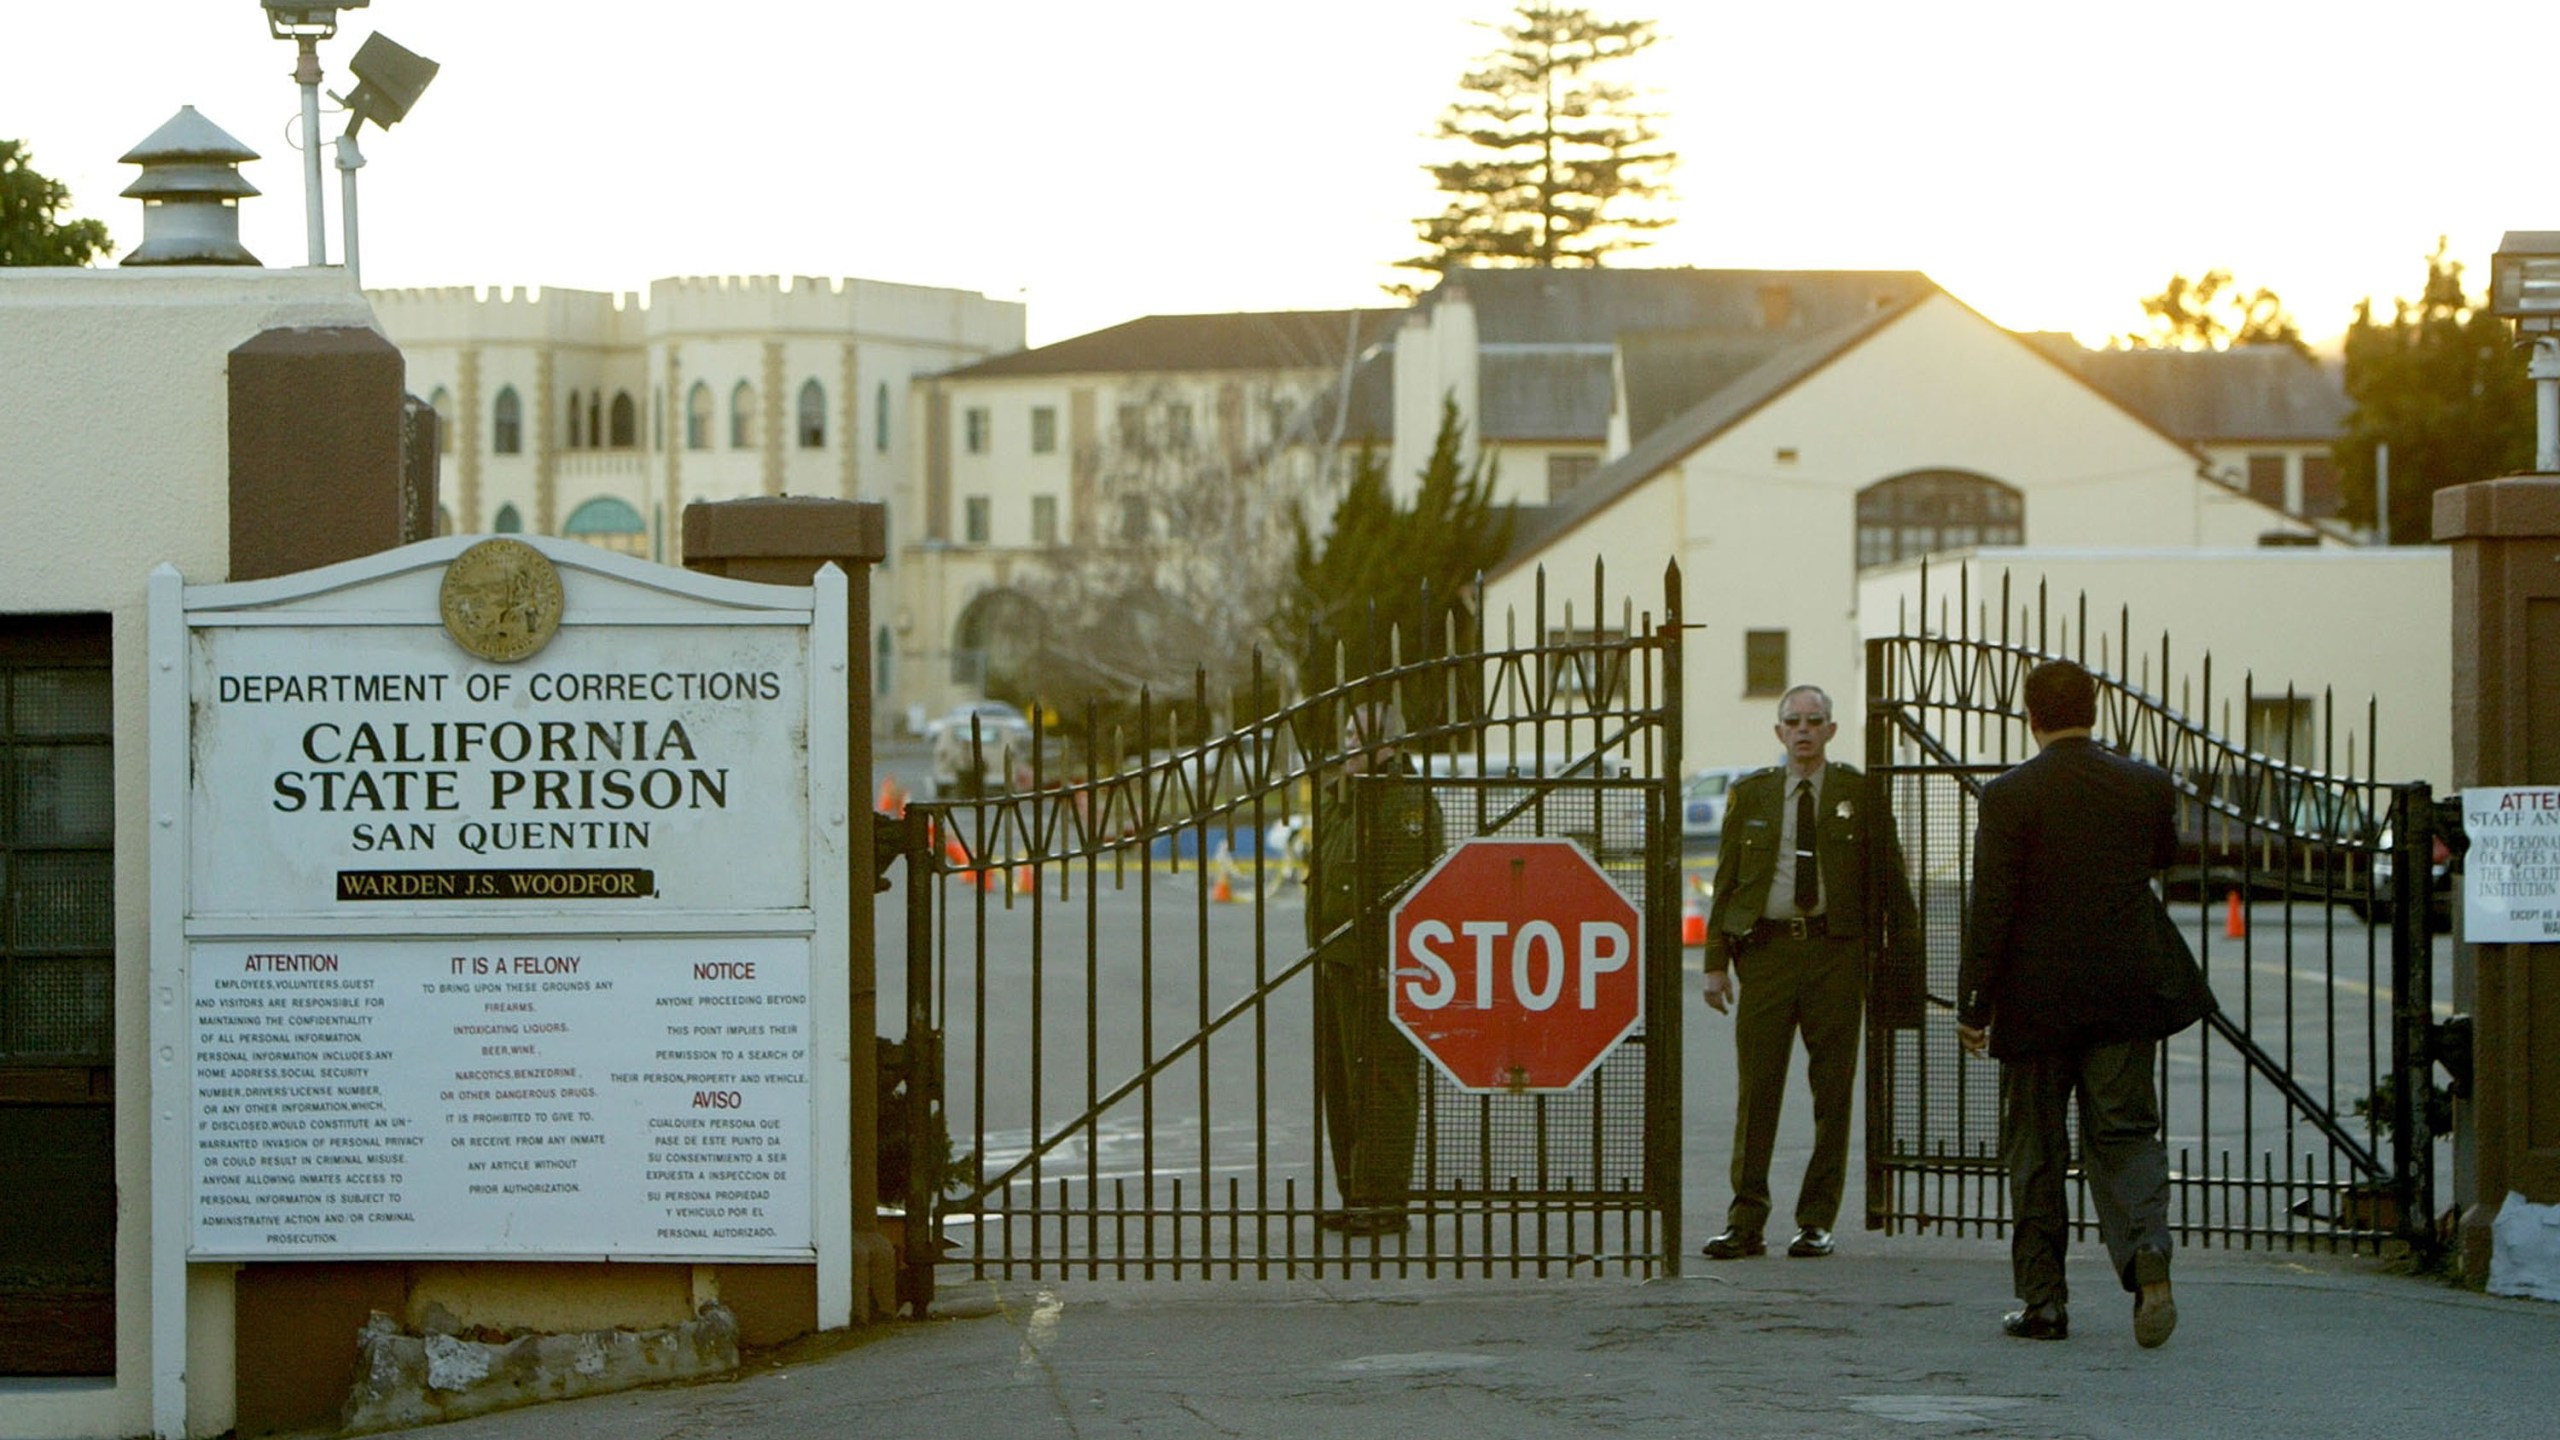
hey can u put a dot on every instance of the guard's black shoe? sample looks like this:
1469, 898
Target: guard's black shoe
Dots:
1811, 1243
2037, 1322
1367, 1220
1734, 1245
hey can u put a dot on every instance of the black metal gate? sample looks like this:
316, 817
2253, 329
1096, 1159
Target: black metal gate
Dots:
2305, 1113
1111, 991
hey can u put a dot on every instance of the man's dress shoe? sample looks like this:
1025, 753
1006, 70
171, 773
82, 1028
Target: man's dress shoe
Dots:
1734, 1245
1811, 1243
2037, 1322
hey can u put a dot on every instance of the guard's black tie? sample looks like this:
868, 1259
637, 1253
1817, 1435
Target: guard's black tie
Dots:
1808, 870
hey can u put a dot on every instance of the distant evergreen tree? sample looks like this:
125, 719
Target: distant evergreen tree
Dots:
1386, 583
1551, 151
29, 202
2443, 384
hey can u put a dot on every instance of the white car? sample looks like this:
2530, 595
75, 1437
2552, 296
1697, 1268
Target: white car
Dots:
1702, 801
993, 734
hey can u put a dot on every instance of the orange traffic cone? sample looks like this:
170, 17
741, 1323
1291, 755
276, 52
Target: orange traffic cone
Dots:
2235, 921
1023, 884
893, 799
1222, 893
1693, 921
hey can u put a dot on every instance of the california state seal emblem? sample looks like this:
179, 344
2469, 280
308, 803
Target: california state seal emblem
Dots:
501, 600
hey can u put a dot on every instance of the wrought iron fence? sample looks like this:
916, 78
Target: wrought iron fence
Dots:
1111, 976
2304, 1113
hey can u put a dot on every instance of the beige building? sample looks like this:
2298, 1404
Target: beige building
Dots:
599, 417
1915, 428
2263, 416
1745, 412
1120, 446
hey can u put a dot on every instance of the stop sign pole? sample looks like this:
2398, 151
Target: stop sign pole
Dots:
1516, 966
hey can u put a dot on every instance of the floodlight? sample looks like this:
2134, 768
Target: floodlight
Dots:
389, 79
2524, 287
2525, 280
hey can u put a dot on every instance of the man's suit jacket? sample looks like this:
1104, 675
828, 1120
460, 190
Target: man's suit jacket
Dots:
2068, 946
1747, 861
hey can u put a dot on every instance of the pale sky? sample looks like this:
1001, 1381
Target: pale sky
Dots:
2049, 163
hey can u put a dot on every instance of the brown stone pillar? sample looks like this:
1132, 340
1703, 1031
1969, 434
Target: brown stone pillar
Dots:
782, 540
2506, 731
316, 428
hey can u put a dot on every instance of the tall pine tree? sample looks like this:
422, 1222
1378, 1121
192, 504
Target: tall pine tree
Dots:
1551, 152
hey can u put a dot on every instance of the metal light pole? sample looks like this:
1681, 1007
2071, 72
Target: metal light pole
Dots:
350, 160
389, 79
2525, 288
307, 23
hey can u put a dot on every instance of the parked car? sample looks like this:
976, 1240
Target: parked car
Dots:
1702, 801
980, 748
2376, 908
2307, 841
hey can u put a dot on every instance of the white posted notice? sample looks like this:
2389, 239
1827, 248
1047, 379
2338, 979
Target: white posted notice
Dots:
2511, 884
424, 1098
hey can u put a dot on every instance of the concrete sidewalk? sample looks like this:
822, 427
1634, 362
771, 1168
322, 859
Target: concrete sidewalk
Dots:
1891, 1337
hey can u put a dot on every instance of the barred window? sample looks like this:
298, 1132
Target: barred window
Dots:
57, 841
1764, 662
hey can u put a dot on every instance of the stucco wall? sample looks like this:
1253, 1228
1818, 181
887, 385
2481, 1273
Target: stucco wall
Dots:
114, 458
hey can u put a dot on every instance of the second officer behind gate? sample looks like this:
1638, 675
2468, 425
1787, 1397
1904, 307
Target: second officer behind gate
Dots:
1368, 1073
1789, 926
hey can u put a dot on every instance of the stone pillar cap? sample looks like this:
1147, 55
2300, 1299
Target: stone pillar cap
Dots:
2516, 507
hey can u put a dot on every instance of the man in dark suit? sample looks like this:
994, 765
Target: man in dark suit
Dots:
2072, 975
1790, 926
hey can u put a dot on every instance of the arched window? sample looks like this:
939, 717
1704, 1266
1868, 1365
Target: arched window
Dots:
813, 416
1931, 510
880, 418
506, 423
595, 419
697, 417
442, 403
998, 637
626, 425
884, 655
577, 423
742, 417
610, 523
507, 521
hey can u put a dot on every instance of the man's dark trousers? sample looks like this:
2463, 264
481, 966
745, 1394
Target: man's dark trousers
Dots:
2120, 1152
1813, 984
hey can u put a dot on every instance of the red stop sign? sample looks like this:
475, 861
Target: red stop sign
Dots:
1517, 965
